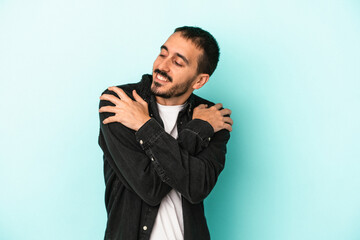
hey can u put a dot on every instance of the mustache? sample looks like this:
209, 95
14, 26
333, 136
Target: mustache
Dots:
164, 74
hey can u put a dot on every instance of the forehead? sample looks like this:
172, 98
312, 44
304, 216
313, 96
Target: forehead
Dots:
176, 43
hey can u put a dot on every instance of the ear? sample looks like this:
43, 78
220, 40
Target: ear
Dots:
201, 80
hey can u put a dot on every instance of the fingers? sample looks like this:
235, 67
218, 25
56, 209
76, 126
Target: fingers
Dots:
138, 98
110, 120
111, 98
225, 111
122, 95
228, 120
228, 127
227, 123
108, 109
218, 106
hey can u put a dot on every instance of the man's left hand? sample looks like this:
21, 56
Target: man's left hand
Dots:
132, 114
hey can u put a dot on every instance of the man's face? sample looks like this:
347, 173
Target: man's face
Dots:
175, 69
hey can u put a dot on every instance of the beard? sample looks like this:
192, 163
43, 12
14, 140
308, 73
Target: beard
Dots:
175, 91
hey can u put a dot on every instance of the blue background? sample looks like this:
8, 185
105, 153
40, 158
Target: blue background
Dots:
289, 70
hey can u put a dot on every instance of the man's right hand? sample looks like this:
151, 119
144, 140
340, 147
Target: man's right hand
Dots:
213, 115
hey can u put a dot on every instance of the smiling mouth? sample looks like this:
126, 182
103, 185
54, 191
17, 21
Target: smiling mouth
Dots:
161, 78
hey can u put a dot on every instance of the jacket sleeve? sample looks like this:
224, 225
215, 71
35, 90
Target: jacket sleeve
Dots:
195, 136
129, 162
193, 175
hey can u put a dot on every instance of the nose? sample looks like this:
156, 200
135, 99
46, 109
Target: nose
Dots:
164, 64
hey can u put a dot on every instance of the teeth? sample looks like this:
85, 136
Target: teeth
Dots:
162, 78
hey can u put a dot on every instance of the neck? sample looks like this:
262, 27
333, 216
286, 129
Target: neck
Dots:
173, 100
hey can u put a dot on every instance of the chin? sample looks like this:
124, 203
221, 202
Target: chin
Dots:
157, 92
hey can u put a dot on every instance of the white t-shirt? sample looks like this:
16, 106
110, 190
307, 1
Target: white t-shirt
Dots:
169, 222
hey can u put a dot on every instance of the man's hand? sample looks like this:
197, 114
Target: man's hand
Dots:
132, 114
214, 116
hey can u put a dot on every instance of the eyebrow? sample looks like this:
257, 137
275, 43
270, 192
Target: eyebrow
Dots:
178, 54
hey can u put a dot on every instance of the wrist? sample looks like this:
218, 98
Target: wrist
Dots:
142, 122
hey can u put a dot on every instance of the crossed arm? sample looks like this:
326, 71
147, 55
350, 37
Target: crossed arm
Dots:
152, 162
134, 114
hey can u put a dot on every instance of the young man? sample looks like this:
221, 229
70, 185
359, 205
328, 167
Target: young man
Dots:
164, 147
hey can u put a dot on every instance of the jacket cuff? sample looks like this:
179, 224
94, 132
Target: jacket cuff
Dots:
148, 133
202, 128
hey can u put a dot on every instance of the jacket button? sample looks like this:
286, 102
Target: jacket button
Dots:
141, 142
145, 228
209, 139
152, 159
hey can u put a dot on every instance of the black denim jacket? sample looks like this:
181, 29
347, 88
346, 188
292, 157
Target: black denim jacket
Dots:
141, 167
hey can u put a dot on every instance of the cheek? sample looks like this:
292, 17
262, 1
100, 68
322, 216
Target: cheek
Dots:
189, 74
180, 76
156, 63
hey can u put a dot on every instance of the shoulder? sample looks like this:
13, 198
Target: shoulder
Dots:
196, 100
141, 87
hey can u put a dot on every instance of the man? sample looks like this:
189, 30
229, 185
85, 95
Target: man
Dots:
164, 147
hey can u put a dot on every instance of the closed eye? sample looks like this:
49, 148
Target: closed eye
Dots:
178, 64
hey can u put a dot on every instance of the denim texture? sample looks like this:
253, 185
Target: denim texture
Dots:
141, 167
